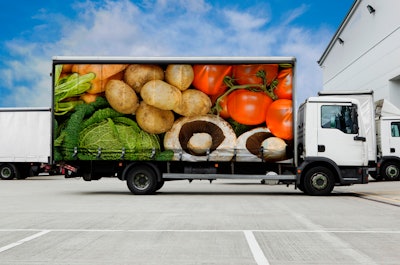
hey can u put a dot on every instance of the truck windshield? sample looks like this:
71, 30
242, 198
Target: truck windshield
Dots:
343, 118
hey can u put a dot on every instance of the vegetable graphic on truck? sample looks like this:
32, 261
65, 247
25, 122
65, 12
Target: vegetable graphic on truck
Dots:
162, 112
148, 120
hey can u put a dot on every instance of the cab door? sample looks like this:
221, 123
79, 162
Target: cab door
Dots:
394, 139
341, 137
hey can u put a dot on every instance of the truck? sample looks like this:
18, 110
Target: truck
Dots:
387, 118
147, 120
382, 122
25, 142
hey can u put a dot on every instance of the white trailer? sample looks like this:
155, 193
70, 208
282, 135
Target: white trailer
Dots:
25, 142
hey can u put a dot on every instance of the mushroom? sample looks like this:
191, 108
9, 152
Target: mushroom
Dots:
201, 138
199, 143
260, 144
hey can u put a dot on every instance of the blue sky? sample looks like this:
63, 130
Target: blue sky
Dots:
34, 31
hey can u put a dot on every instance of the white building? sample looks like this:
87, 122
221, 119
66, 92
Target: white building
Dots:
364, 53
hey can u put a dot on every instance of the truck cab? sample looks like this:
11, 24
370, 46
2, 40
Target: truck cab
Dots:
331, 147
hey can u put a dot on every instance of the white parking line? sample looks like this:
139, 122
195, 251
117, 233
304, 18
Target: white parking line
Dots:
26, 239
251, 240
208, 231
255, 249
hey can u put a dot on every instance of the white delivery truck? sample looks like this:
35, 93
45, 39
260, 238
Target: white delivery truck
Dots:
387, 118
25, 142
382, 122
150, 120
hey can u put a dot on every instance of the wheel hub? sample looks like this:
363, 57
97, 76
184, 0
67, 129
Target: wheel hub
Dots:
319, 181
141, 181
6, 172
392, 172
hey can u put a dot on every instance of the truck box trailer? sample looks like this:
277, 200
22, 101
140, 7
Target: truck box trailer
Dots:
154, 119
25, 142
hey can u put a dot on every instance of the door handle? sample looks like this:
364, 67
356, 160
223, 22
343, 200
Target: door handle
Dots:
359, 138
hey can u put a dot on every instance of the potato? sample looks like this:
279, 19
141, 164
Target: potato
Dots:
121, 97
161, 95
194, 102
136, 75
179, 75
154, 120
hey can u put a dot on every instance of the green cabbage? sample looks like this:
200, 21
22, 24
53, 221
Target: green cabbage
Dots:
117, 138
97, 132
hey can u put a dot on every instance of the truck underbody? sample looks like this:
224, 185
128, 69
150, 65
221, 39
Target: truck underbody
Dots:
146, 177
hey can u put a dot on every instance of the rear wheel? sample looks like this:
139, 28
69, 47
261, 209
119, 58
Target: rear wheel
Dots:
318, 181
390, 171
160, 184
141, 180
8, 171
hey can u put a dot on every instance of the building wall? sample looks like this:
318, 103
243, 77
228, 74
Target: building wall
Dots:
369, 57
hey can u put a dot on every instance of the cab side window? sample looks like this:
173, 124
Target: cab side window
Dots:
395, 129
343, 118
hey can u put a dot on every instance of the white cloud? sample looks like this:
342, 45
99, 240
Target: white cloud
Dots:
291, 15
159, 28
244, 21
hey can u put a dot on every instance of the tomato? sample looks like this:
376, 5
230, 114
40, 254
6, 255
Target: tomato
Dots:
223, 103
247, 73
209, 78
284, 88
248, 107
279, 119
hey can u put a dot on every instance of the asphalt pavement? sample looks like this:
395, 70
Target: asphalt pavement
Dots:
52, 220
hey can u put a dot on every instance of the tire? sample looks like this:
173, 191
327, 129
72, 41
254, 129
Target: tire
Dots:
34, 171
390, 171
25, 171
141, 180
160, 184
376, 176
300, 187
8, 171
318, 181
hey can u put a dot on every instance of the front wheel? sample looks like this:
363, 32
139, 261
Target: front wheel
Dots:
376, 176
8, 171
141, 180
390, 171
318, 181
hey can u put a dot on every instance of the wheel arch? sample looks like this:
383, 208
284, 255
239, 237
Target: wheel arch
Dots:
150, 165
388, 159
309, 163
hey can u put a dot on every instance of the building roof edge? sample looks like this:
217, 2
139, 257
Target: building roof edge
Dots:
338, 32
